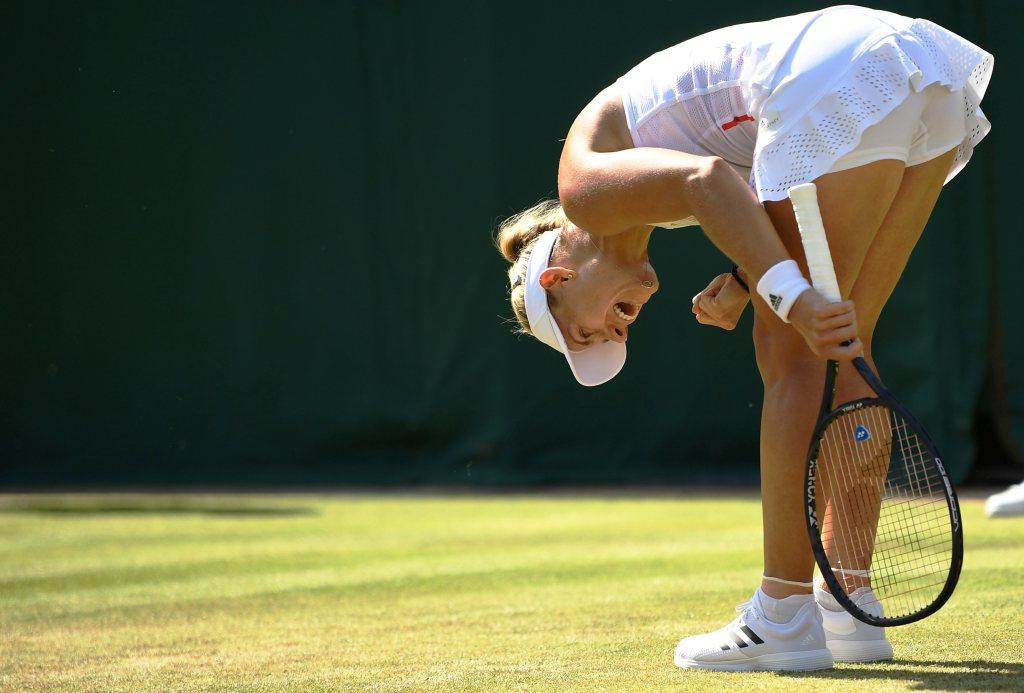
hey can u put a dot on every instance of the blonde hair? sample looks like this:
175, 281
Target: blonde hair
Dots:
515, 239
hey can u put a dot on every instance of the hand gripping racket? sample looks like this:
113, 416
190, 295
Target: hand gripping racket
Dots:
882, 515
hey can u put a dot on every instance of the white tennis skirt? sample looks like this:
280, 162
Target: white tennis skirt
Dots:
817, 125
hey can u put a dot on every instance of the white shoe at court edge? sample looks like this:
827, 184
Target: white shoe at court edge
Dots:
1008, 503
753, 643
848, 639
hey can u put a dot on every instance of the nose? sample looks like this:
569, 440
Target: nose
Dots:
616, 333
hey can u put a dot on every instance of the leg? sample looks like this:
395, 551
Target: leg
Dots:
874, 215
889, 253
874, 210
853, 204
855, 498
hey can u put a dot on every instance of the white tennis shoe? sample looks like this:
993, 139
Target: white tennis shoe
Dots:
753, 643
848, 639
1009, 503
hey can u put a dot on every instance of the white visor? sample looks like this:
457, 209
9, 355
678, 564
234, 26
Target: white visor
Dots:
592, 366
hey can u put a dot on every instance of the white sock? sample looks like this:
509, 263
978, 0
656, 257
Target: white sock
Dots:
825, 599
781, 610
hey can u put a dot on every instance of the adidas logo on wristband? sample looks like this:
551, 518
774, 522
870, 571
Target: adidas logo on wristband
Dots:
781, 285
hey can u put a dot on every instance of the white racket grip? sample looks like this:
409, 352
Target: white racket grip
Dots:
812, 234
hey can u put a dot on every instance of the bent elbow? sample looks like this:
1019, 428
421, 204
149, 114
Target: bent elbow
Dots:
587, 215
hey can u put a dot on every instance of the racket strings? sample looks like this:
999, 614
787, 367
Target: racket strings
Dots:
882, 508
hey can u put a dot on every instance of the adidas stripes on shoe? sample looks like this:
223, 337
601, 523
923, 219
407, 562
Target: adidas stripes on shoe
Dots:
754, 643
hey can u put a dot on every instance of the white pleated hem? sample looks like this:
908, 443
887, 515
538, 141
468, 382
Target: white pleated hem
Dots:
874, 85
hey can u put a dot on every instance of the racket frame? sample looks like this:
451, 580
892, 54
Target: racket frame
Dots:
826, 415
819, 261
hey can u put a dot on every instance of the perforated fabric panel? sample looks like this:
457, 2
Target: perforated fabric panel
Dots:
717, 123
873, 87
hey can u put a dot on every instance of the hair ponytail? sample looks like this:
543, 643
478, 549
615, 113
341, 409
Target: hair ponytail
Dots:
515, 238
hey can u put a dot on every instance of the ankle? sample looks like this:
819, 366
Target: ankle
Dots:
780, 588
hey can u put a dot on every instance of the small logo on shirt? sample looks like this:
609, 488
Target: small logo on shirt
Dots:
861, 433
736, 121
770, 120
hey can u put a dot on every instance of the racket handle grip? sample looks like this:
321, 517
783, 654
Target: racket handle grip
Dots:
812, 235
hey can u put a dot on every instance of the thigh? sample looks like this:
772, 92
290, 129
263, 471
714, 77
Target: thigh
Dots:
854, 204
895, 240
874, 216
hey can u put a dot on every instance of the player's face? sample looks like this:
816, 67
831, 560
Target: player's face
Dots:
600, 303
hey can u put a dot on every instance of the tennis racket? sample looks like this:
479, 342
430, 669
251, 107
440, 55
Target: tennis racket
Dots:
882, 515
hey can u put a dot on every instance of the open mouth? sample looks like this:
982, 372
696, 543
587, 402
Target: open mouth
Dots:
626, 311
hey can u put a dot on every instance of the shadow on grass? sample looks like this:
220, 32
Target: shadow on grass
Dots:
149, 505
924, 675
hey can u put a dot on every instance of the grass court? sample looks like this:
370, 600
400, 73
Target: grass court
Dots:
440, 593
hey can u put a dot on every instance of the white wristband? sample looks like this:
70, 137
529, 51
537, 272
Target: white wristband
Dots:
781, 286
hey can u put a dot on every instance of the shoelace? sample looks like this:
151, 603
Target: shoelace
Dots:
743, 609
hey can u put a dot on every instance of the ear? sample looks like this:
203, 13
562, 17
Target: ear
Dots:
553, 276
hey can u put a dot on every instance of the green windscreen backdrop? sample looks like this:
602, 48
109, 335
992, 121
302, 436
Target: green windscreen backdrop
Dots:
250, 243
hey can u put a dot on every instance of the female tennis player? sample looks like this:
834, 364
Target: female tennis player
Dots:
880, 111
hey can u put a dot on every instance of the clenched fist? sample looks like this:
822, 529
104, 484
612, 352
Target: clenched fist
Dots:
721, 304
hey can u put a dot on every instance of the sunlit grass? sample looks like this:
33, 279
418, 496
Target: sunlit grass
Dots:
154, 592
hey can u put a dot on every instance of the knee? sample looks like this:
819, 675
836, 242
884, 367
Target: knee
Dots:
788, 367
782, 354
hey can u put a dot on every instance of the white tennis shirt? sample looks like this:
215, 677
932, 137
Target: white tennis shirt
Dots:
733, 92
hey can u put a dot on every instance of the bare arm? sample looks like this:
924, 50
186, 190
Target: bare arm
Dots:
610, 192
607, 186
